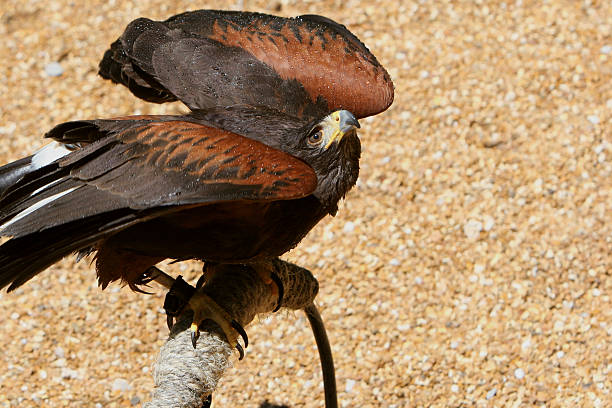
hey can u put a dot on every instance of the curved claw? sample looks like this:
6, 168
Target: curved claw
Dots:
206, 403
195, 333
201, 281
169, 321
240, 350
241, 332
281, 290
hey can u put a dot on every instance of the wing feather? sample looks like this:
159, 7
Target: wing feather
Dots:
303, 66
153, 165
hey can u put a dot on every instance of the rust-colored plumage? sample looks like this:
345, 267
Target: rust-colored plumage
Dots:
308, 65
267, 151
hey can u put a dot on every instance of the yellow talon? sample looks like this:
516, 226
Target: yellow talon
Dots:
204, 308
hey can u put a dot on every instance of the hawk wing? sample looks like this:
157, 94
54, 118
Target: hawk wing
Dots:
141, 171
303, 66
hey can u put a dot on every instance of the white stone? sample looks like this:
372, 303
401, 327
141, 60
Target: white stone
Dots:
526, 344
594, 119
350, 384
472, 229
489, 222
68, 373
519, 373
121, 384
54, 69
349, 226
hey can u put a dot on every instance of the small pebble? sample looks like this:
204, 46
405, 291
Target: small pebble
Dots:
606, 49
594, 119
121, 384
454, 388
349, 226
54, 69
59, 352
479, 268
489, 223
69, 374
492, 392
394, 262
135, 400
350, 384
519, 373
526, 344
472, 229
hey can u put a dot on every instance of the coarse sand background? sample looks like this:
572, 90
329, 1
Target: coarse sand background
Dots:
471, 265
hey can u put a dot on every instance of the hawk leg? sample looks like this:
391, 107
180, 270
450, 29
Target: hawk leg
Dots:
182, 295
268, 275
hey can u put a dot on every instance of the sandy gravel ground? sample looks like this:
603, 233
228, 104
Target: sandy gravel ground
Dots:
471, 266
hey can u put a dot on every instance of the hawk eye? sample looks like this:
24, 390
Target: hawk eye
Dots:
315, 137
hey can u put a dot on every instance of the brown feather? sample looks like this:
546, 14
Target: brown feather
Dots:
303, 66
327, 64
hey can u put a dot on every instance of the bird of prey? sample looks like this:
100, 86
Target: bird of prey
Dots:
267, 151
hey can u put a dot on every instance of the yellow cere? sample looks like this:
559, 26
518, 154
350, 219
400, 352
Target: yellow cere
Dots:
337, 133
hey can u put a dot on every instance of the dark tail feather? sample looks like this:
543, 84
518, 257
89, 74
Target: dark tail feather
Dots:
11, 173
24, 257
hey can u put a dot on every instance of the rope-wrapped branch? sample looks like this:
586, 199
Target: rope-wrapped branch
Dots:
185, 377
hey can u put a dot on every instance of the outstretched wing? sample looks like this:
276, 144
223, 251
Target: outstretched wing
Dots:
151, 165
303, 66
130, 175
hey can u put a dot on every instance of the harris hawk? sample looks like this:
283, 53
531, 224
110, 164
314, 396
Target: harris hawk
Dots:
267, 151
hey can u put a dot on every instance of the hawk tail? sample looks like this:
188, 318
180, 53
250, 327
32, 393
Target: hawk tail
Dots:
23, 257
31, 191
11, 173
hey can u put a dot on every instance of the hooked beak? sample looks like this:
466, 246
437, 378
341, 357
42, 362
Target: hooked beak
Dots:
345, 123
